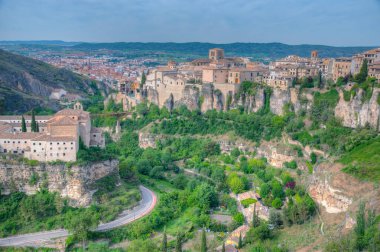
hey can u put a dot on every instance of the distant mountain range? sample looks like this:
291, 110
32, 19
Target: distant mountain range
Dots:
268, 51
26, 83
257, 50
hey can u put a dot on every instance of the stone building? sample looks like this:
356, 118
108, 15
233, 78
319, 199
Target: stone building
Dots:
58, 138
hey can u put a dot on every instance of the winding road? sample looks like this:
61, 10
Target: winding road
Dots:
144, 207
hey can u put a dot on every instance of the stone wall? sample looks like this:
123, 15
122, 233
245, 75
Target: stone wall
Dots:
73, 183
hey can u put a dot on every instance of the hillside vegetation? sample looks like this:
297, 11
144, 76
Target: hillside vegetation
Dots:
27, 83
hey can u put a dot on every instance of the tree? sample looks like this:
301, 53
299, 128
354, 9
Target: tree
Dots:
37, 127
80, 225
360, 227
23, 124
203, 241
275, 218
240, 243
313, 158
164, 246
33, 124
363, 73
224, 247
143, 80
255, 218
178, 244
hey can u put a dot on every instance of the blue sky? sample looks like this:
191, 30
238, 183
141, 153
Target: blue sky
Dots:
329, 22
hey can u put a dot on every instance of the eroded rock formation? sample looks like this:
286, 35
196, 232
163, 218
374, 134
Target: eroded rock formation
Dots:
72, 182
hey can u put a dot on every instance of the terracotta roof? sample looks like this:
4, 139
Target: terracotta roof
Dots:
73, 112
27, 117
63, 121
50, 138
5, 127
20, 135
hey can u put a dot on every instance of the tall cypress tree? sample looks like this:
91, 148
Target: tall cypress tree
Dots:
240, 243
33, 124
23, 124
362, 75
164, 246
178, 245
203, 241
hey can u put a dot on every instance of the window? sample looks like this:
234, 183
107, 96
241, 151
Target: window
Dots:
94, 135
25, 142
64, 154
34, 150
57, 143
39, 143
51, 143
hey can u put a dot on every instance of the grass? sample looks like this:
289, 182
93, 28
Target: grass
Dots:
363, 161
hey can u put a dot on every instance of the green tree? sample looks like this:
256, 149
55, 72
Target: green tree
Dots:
80, 225
143, 80
224, 247
240, 243
164, 246
363, 73
23, 124
313, 158
255, 218
178, 244
33, 124
360, 227
203, 241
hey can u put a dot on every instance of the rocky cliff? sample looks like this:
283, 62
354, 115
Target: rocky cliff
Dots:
72, 182
358, 113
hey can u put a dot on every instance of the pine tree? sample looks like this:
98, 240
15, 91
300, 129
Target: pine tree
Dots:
23, 124
164, 247
240, 244
178, 245
224, 247
33, 124
204, 241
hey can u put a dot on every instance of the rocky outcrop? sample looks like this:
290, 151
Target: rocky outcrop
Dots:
356, 113
190, 98
339, 192
278, 99
72, 182
207, 97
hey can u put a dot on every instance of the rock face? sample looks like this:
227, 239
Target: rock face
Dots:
355, 113
339, 192
73, 183
278, 99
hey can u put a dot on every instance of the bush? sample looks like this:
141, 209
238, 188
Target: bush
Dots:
277, 203
291, 165
248, 202
313, 158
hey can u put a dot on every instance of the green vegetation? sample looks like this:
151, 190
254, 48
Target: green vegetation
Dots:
364, 237
248, 202
362, 161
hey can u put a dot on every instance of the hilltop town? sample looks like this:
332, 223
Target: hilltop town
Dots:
176, 84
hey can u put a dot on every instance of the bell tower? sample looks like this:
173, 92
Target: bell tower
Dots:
78, 106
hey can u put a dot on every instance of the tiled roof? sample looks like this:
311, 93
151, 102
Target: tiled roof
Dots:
49, 138
27, 117
63, 121
20, 135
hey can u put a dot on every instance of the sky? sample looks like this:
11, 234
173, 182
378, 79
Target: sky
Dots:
327, 22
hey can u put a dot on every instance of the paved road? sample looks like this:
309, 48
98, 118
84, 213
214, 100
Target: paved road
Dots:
145, 206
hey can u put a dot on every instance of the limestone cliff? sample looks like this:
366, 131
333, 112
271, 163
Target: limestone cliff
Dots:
356, 113
71, 182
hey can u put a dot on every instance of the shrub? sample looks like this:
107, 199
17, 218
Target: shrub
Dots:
291, 165
248, 202
277, 203
313, 158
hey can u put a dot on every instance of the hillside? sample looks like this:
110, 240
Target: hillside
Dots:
27, 83
256, 50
